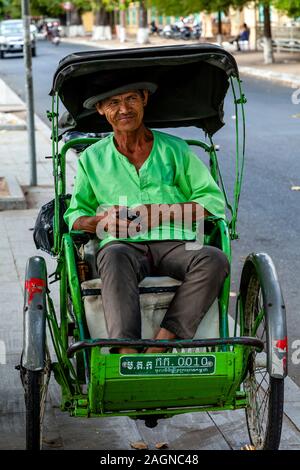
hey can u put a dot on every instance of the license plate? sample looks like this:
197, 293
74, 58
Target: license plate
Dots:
168, 364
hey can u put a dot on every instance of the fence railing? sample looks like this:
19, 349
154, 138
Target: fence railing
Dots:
284, 38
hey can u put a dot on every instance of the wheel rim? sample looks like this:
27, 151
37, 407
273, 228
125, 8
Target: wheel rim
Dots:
35, 436
43, 393
257, 382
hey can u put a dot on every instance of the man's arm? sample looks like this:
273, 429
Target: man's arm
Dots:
153, 215
83, 204
178, 212
198, 185
112, 220
86, 223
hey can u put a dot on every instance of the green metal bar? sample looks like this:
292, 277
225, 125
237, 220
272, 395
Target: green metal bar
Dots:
239, 166
74, 285
236, 319
63, 305
55, 159
228, 205
199, 143
224, 297
210, 149
257, 321
97, 383
64, 366
67, 146
172, 412
75, 291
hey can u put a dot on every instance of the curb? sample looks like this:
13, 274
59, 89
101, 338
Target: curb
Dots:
282, 78
16, 199
12, 99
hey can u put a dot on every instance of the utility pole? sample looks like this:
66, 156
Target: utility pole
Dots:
29, 92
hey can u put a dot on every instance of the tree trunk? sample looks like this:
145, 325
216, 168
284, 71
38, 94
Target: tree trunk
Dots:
267, 44
122, 28
75, 18
219, 35
76, 26
102, 29
99, 17
143, 30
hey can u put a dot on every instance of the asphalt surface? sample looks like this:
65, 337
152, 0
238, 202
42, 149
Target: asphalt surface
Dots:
269, 208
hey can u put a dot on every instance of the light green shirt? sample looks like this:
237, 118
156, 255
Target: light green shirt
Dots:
171, 174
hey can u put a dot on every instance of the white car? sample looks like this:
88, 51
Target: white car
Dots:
12, 38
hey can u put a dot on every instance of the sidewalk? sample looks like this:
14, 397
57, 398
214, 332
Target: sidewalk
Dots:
285, 70
214, 430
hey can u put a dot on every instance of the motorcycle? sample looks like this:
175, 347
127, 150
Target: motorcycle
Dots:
56, 40
53, 35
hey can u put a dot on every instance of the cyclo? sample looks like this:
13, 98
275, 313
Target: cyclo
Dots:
214, 370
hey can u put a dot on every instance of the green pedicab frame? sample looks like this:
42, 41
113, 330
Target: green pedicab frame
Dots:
97, 384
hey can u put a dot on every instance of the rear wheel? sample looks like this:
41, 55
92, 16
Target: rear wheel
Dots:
35, 385
1, 54
264, 412
33, 51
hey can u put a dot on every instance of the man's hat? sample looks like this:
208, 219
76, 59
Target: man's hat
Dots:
93, 100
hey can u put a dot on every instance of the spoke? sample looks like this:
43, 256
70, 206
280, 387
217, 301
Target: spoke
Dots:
258, 387
266, 395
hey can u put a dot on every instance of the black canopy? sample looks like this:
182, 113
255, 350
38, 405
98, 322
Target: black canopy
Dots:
192, 83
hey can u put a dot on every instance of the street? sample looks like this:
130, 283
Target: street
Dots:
268, 222
268, 217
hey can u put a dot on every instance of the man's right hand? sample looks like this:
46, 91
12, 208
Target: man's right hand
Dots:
113, 221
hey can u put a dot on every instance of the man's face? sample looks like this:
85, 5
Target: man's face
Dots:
124, 112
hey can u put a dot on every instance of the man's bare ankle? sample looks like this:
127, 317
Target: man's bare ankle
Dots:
155, 350
127, 351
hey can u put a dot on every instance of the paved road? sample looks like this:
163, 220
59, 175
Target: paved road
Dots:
269, 215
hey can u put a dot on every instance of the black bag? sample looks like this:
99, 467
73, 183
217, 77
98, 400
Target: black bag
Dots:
43, 234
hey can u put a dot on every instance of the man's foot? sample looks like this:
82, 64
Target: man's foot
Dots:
156, 350
162, 334
124, 351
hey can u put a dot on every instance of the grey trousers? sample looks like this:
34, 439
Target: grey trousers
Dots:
123, 265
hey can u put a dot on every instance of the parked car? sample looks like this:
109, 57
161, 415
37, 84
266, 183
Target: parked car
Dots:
12, 38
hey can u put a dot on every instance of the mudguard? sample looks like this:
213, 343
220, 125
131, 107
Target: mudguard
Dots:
34, 320
274, 310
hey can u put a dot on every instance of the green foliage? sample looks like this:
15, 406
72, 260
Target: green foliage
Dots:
185, 7
10, 8
290, 7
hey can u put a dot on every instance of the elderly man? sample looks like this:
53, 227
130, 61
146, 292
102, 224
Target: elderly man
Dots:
154, 178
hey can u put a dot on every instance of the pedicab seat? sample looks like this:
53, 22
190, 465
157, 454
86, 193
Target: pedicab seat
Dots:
156, 293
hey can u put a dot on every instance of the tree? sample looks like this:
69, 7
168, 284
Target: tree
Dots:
290, 7
10, 9
102, 12
267, 44
143, 30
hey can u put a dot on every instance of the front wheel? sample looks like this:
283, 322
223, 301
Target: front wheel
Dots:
265, 393
35, 385
35, 364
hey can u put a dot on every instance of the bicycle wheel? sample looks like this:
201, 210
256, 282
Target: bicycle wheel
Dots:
35, 387
264, 412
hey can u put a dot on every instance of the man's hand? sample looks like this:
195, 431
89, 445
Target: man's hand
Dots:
152, 215
108, 221
122, 222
